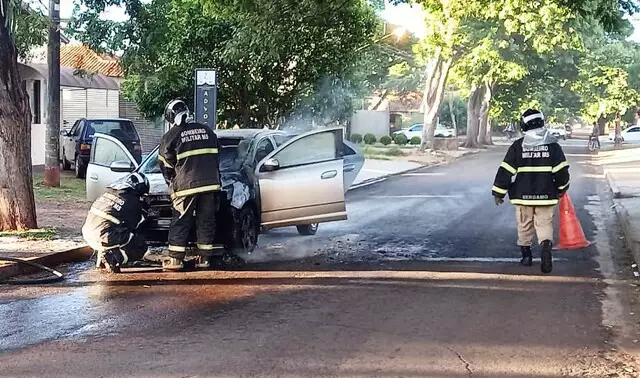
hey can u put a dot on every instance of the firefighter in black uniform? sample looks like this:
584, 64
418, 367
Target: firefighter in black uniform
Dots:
113, 220
189, 162
541, 177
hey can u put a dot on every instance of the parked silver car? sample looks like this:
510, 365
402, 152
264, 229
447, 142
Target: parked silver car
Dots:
270, 179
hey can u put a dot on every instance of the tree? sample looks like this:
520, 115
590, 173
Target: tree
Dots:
275, 60
17, 204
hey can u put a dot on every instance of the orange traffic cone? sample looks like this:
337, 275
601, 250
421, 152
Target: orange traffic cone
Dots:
571, 233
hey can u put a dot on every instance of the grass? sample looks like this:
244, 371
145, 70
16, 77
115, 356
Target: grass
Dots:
384, 153
35, 234
71, 189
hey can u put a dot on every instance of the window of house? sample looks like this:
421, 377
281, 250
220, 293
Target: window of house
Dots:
37, 102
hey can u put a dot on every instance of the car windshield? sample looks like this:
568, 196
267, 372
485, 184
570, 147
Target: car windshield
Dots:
232, 154
120, 129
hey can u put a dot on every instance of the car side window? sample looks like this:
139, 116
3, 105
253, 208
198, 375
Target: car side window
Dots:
416, 128
75, 130
634, 130
264, 148
311, 149
105, 152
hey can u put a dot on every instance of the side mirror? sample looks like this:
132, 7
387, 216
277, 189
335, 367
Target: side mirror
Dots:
64, 132
122, 166
271, 165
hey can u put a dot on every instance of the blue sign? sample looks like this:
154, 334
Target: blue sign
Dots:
206, 97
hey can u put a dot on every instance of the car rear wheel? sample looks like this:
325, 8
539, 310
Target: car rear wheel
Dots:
308, 229
244, 232
66, 166
81, 170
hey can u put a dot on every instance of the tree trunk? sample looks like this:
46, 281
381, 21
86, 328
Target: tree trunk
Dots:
454, 123
473, 117
17, 204
484, 116
437, 73
489, 138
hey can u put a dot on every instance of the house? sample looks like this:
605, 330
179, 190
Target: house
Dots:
90, 88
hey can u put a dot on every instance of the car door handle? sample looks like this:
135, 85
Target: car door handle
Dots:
93, 177
349, 167
329, 175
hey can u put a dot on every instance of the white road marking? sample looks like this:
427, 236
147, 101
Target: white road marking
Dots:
482, 259
422, 196
425, 174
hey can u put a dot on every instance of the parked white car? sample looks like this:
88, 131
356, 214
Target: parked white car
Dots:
630, 134
559, 131
442, 131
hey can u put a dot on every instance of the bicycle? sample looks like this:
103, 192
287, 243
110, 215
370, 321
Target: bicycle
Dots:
593, 144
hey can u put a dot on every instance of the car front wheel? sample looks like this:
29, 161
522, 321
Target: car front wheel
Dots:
66, 166
308, 229
244, 232
81, 170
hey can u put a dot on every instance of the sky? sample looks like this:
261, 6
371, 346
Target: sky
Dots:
403, 14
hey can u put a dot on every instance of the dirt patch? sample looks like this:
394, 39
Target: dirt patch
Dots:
61, 211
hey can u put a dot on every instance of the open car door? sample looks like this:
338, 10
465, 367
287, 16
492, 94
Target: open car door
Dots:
110, 161
301, 182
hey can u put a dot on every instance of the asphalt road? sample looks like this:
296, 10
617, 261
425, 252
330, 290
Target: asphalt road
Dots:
421, 281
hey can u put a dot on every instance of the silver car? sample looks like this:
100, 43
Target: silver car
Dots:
270, 179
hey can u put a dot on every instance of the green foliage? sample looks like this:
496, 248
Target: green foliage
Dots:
415, 141
401, 139
370, 139
356, 138
30, 30
276, 61
385, 140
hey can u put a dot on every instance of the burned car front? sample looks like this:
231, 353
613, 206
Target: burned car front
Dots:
239, 199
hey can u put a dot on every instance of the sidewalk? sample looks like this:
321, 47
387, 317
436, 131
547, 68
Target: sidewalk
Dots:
622, 170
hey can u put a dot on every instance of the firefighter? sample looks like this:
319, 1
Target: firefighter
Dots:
541, 177
188, 158
113, 220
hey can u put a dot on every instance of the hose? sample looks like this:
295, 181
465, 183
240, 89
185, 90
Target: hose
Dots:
57, 276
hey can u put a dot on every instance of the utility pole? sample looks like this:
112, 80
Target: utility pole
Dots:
52, 145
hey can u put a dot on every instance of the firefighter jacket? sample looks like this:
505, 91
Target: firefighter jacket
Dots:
113, 219
189, 160
541, 174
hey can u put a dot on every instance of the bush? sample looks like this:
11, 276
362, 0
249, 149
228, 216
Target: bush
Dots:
386, 140
370, 139
401, 139
415, 141
356, 138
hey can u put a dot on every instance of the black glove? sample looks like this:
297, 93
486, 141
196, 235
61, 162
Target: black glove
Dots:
499, 200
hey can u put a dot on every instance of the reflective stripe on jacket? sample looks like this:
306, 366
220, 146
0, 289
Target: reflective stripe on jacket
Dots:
189, 159
541, 175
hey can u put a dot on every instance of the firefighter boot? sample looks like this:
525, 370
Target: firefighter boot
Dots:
172, 264
545, 256
114, 259
527, 258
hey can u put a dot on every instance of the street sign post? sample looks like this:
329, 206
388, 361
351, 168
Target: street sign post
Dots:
206, 97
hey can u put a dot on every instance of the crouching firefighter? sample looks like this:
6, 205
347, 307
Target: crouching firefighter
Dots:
541, 177
113, 221
188, 158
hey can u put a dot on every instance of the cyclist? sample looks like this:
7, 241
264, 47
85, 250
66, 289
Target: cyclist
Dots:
595, 133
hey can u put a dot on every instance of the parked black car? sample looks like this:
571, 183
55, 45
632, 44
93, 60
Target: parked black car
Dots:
75, 142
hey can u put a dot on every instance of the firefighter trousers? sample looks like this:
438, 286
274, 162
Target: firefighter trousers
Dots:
197, 212
534, 220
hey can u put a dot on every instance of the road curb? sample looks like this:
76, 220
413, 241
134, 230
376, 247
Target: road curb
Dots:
77, 254
612, 184
376, 180
625, 221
